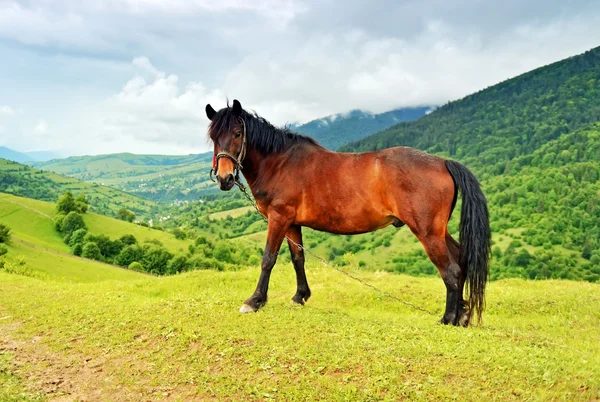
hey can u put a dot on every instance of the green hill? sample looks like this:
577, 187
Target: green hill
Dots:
338, 129
35, 238
160, 178
29, 182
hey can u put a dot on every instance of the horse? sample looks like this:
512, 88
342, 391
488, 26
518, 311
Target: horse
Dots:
296, 182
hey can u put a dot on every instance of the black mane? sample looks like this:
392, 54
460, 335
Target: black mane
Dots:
261, 135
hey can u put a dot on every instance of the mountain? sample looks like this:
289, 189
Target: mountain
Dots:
534, 142
43, 156
504, 121
338, 129
11, 155
25, 181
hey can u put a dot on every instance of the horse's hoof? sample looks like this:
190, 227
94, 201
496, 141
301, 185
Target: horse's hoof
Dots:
464, 319
295, 303
247, 309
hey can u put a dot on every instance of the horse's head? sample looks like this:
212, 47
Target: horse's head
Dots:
227, 131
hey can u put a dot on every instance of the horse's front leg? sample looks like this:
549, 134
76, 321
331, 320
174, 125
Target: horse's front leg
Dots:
276, 229
294, 235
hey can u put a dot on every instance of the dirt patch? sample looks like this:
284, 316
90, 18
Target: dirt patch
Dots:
70, 376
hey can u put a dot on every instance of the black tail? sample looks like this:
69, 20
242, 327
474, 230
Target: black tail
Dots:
475, 235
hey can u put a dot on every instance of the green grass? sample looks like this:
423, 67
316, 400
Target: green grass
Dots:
234, 213
52, 265
182, 338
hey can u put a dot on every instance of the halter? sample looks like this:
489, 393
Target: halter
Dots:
236, 161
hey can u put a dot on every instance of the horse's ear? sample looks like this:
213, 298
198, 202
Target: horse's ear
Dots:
210, 112
237, 107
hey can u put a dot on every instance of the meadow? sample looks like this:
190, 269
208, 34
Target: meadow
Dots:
181, 338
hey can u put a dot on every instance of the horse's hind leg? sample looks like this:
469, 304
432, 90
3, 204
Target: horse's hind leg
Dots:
439, 253
463, 312
294, 235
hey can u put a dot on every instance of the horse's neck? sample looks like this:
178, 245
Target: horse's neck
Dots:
252, 167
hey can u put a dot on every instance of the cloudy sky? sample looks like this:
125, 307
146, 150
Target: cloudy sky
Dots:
102, 76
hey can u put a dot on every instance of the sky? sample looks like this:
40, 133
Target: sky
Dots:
92, 77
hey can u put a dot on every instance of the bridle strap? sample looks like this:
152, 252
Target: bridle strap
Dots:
236, 161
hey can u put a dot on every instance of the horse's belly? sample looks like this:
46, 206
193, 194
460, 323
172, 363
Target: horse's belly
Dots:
346, 223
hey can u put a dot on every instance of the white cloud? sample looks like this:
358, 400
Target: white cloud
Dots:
7, 110
41, 128
291, 61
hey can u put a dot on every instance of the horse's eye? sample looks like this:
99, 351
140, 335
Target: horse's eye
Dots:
238, 134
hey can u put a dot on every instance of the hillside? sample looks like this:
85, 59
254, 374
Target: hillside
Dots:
338, 129
29, 182
160, 178
182, 338
510, 119
43, 248
534, 141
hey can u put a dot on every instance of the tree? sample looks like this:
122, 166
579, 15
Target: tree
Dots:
72, 222
4, 233
177, 264
179, 234
81, 203
128, 240
77, 237
66, 203
156, 259
125, 215
129, 254
92, 251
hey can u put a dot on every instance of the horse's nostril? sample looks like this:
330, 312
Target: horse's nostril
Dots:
229, 178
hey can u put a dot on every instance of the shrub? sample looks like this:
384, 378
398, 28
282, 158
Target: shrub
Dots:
178, 264
125, 215
128, 239
72, 222
92, 251
129, 255
4, 233
156, 259
77, 237
136, 266
3, 250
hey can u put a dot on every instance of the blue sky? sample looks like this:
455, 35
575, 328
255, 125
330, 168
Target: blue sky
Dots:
90, 77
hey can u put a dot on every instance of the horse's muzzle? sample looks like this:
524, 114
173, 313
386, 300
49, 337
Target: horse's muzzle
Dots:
227, 182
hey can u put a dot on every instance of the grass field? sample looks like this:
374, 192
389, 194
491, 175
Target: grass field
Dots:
35, 239
181, 338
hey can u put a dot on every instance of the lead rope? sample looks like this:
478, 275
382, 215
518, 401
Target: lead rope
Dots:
300, 246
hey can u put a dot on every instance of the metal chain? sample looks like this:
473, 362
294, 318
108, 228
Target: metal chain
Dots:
324, 261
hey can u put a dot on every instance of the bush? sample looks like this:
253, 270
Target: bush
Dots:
128, 240
177, 264
136, 266
179, 234
125, 215
72, 222
3, 250
156, 259
77, 249
4, 233
129, 255
92, 251
77, 237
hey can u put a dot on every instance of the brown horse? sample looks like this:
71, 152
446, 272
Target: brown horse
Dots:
296, 183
